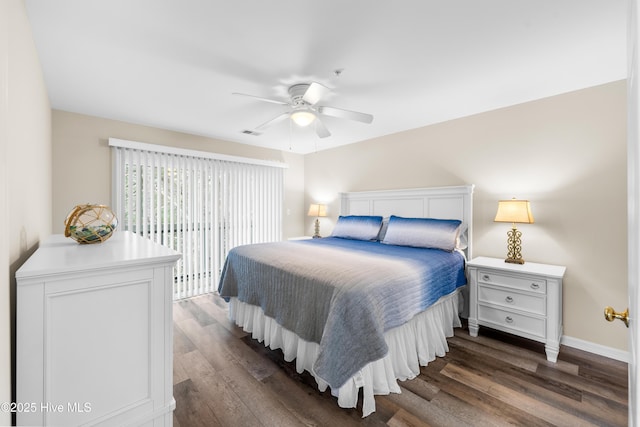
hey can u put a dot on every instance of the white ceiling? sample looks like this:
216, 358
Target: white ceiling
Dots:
174, 64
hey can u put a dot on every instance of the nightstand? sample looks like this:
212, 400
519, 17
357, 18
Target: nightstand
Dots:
521, 299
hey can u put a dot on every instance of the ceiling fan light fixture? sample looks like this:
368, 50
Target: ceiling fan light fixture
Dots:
303, 117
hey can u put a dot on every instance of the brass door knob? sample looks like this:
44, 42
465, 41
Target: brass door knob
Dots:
610, 314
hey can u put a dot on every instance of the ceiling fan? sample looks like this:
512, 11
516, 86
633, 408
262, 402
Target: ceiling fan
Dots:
305, 111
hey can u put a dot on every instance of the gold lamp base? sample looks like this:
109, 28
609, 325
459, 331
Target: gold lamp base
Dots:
514, 246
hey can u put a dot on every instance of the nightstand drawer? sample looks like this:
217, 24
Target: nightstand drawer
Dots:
517, 282
506, 320
510, 299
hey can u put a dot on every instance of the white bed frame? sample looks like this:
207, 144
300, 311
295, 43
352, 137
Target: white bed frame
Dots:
455, 202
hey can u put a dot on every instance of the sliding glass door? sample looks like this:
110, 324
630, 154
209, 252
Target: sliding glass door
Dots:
197, 204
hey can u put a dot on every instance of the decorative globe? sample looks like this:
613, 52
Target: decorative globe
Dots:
90, 223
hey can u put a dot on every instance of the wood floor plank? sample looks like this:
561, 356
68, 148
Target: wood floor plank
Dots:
610, 413
616, 392
215, 392
404, 419
512, 345
600, 376
471, 415
212, 307
595, 410
193, 410
196, 312
586, 360
504, 411
181, 344
179, 373
178, 310
490, 365
215, 351
424, 410
505, 357
507, 395
424, 389
257, 366
265, 406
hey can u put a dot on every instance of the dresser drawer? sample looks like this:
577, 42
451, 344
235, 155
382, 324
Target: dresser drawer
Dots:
510, 299
517, 282
534, 327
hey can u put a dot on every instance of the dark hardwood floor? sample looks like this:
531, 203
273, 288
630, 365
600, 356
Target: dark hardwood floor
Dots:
224, 378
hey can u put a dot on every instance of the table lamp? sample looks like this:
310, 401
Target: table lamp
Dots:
317, 210
514, 211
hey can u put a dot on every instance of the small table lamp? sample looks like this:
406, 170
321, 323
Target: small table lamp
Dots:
514, 211
317, 210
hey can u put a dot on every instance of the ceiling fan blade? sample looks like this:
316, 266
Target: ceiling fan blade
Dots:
345, 114
276, 119
321, 129
273, 101
314, 93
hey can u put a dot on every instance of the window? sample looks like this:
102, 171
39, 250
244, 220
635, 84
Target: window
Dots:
200, 204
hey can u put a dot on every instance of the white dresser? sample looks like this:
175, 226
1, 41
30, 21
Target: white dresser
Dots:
95, 333
522, 299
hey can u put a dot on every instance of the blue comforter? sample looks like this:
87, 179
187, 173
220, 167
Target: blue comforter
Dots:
342, 294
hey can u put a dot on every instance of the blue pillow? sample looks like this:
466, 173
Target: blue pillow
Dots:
357, 227
423, 232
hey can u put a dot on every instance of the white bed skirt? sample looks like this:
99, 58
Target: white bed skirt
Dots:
415, 343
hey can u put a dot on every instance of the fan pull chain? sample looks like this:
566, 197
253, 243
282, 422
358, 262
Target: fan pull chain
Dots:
290, 134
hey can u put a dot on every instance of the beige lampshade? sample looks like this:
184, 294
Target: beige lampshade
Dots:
317, 210
514, 211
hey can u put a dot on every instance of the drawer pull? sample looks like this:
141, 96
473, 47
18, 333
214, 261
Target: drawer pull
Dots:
486, 277
535, 286
508, 319
509, 300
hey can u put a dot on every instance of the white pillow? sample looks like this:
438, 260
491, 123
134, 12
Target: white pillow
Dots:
357, 227
423, 232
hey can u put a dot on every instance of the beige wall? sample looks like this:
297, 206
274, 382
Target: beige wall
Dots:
566, 154
25, 168
82, 163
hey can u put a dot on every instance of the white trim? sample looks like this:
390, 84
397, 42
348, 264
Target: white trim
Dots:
600, 350
411, 192
134, 145
633, 208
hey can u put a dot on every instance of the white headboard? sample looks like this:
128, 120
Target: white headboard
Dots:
455, 202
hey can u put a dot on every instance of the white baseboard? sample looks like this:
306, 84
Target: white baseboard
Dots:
601, 350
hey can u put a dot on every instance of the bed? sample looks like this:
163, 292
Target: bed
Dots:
366, 306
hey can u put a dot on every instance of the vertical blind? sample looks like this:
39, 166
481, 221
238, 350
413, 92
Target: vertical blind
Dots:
200, 204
